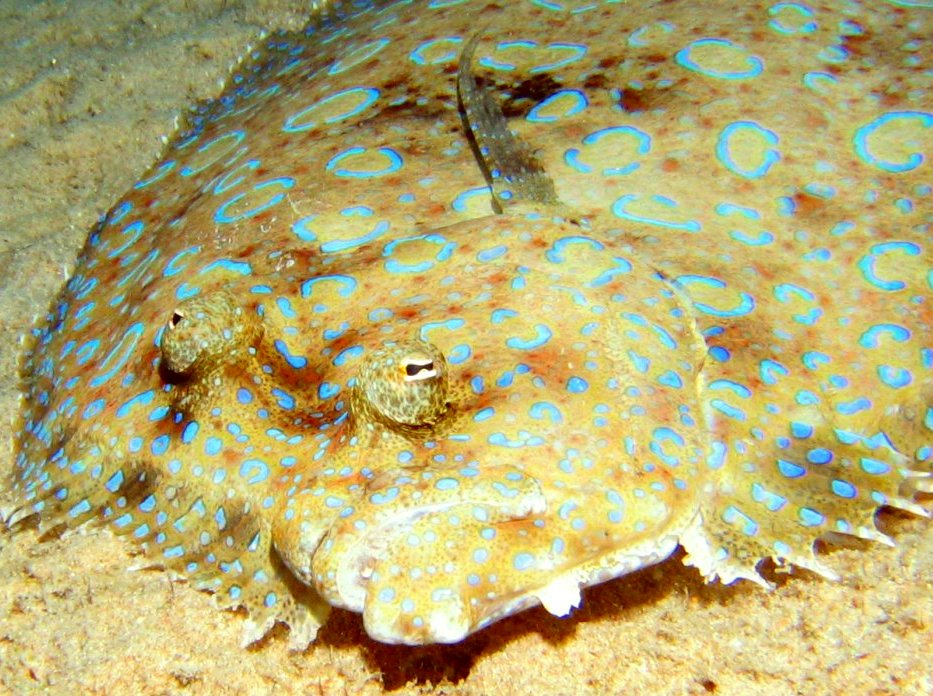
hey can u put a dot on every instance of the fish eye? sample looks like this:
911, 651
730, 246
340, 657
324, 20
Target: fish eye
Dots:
204, 332
404, 383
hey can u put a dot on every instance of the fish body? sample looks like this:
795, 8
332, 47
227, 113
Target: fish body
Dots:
435, 324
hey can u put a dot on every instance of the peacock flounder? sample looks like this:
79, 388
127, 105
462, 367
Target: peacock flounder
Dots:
435, 323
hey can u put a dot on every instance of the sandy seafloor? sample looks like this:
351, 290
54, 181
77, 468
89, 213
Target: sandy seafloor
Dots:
88, 90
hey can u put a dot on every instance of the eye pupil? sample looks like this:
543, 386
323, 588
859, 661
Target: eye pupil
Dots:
412, 369
176, 319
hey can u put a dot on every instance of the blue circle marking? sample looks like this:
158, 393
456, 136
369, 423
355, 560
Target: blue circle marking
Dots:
393, 162
337, 245
395, 266
347, 284
752, 135
131, 234
354, 101
872, 337
641, 36
820, 82
574, 52
542, 335
120, 354
173, 267
562, 104
436, 51
888, 122
223, 144
282, 183
791, 18
254, 471
641, 140
621, 209
358, 55
745, 306
234, 177
867, 263
301, 228
688, 58
159, 174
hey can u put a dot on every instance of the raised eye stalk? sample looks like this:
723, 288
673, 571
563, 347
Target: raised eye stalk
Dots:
404, 383
205, 332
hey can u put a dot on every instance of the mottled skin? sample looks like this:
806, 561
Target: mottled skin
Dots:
312, 359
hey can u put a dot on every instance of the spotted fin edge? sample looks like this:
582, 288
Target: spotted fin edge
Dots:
715, 559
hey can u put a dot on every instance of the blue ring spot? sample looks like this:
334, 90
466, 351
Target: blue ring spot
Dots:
576, 99
545, 410
239, 267
234, 178
491, 254
745, 306
795, 26
556, 253
620, 210
420, 55
746, 129
810, 517
459, 353
871, 337
221, 216
394, 266
347, 354
120, 354
297, 122
164, 169
542, 335
685, 59
254, 471
790, 470
843, 489
357, 55
895, 377
237, 138
132, 232
172, 267
160, 445
642, 147
301, 229
393, 163
446, 484
94, 408
867, 263
462, 199
484, 414
336, 245
143, 399
864, 134
347, 284
449, 324
190, 432
296, 361
637, 37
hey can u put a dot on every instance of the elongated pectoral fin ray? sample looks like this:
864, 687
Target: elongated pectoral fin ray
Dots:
513, 171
